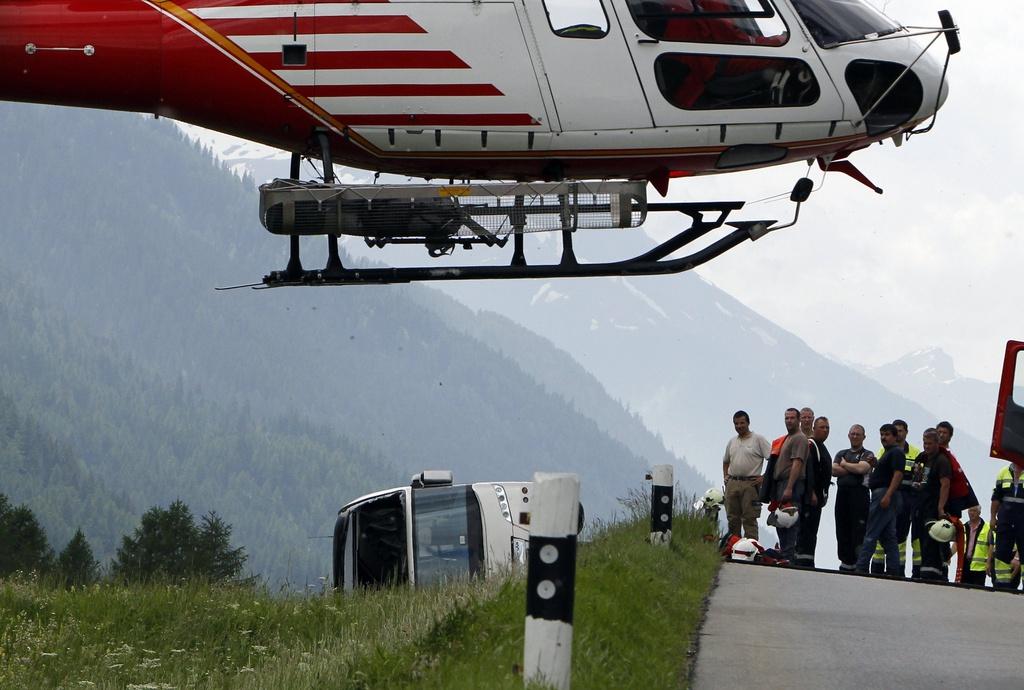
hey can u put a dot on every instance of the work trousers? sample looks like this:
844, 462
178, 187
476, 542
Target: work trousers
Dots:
904, 521
933, 553
851, 523
807, 539
1009, 531
881, 527
974, 577
742, 507
789, 535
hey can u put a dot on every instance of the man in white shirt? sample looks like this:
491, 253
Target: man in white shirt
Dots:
741, 469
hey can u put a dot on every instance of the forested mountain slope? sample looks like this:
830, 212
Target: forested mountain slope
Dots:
119, 440
119, 229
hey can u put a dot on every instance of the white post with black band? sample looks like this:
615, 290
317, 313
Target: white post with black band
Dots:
550, 580
661, 504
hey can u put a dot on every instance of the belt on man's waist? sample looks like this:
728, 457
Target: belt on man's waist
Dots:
745, 479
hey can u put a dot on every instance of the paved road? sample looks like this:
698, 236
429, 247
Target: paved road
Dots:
780, 628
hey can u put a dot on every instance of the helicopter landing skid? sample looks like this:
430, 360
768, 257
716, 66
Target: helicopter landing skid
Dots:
651, 262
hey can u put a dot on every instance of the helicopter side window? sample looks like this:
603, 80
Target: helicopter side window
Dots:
577, 18
717, 82
832, 22
735, 22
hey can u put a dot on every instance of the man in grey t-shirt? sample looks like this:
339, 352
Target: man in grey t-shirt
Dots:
741, 470
789, 478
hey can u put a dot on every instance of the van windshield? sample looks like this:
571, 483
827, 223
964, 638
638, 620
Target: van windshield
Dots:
448, 539
832, 22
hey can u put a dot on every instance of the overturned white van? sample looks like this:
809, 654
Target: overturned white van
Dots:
431, 531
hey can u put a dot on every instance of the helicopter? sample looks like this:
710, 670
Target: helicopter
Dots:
565, 109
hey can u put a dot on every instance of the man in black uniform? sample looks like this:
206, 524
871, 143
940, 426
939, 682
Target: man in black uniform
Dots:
886, 500
934, 496
851, 468
818, 478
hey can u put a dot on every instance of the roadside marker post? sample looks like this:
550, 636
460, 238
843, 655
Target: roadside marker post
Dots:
550, 580
661, 504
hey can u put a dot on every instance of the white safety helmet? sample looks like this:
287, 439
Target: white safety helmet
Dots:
745, 550
941, 530
713, 497
786, 516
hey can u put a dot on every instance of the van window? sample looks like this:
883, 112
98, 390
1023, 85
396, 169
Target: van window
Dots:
713, 82
577, 18
381, 542
447, 539
736, 22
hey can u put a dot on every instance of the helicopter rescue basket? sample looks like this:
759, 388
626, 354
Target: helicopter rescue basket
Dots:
289, 207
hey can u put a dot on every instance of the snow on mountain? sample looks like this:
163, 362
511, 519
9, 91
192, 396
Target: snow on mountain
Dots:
929, 376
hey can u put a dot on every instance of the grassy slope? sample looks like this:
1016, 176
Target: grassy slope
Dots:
637, 608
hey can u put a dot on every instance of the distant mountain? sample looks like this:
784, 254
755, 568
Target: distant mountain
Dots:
124, 230
929, 377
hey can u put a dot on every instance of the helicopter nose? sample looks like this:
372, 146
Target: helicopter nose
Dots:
103, 54
891, 93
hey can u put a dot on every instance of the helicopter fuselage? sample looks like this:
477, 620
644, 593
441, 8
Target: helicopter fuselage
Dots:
489, 89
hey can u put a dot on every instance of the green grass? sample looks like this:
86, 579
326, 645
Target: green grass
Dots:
636, 611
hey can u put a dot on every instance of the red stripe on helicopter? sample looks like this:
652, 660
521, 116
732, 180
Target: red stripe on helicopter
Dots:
286, 26
354, 90
193, 5
440, 119
369, 59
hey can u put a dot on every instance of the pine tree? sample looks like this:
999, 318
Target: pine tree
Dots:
168, 544
216, 559
23, 544
76, 563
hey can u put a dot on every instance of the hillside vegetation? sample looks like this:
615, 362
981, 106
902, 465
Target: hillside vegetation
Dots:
637, 609
144, 386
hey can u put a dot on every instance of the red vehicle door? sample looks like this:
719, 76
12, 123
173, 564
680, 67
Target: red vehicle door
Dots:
1008, 433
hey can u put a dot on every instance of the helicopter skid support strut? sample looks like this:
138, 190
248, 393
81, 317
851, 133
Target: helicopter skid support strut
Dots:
651, 262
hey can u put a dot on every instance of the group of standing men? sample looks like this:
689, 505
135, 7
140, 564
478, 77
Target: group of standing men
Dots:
881, 499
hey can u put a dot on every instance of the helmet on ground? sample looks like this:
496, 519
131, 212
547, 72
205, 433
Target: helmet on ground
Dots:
786, 516
745, 550
941, 530
712, 498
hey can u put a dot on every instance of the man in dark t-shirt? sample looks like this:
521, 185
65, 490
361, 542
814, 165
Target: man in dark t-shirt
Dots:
883, 482
935, 495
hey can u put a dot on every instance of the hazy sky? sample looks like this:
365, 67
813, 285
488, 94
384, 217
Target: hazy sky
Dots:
936, 259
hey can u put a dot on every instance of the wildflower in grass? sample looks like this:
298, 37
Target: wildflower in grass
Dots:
49, 654
259, 649
177, 651
87, 683
247, 669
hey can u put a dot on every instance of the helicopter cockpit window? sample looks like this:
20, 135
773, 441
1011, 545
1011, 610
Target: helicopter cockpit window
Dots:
714, 82
832, 22
577, 18
735, 22
447, 537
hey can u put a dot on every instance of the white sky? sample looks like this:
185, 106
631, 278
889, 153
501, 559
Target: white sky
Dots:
936, 260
